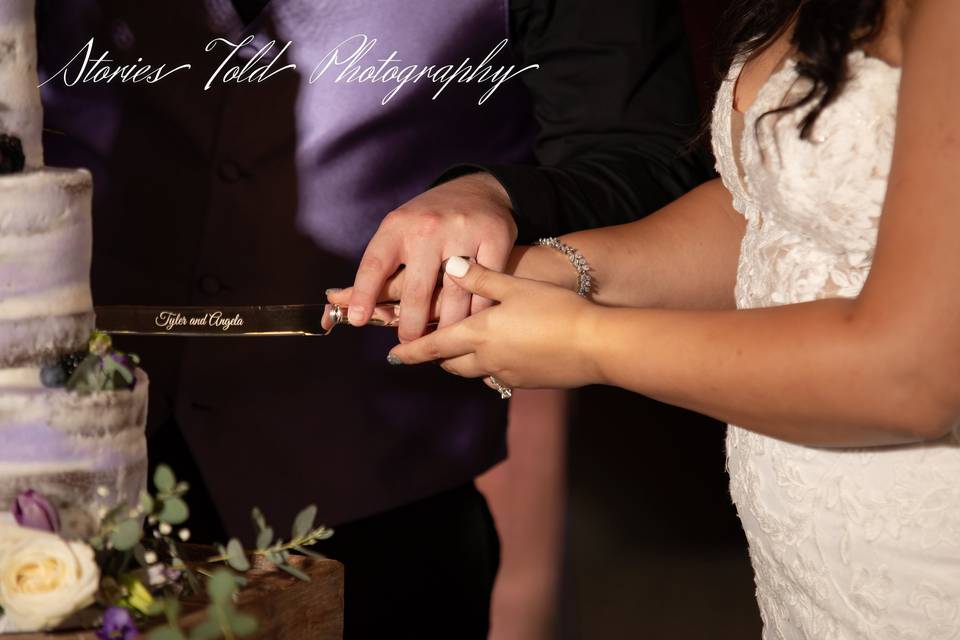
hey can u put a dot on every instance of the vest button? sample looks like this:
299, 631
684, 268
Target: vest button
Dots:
229, 172
209, 285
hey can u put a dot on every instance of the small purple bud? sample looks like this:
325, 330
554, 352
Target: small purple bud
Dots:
32, 510
118, 625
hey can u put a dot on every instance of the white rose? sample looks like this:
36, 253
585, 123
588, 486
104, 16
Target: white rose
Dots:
43, 578
11, 535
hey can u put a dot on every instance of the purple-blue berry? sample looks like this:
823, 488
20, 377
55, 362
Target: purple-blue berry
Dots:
71, 361
53, 376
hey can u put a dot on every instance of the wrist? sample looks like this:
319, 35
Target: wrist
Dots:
587, 331
487, 187
543, 264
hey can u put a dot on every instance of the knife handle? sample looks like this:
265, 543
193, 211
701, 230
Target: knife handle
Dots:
384, 315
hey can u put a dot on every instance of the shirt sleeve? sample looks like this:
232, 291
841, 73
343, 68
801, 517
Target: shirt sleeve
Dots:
617, 110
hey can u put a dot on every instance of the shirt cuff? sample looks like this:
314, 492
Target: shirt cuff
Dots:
532, 196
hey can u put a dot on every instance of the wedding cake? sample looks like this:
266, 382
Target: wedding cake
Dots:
72, 410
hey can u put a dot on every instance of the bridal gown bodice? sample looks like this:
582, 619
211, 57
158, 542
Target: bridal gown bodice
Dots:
845, 543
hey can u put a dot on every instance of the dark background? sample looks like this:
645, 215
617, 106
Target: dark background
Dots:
655, 546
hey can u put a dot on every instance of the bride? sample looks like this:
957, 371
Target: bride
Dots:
811, 297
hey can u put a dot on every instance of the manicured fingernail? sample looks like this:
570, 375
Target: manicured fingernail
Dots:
330, 292
394, 360
457, 266
355, 315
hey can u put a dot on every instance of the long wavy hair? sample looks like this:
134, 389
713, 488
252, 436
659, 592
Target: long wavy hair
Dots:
824, 34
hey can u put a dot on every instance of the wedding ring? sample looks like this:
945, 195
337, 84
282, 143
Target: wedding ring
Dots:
505, 392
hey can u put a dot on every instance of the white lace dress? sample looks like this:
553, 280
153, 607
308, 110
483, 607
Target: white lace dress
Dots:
845, 543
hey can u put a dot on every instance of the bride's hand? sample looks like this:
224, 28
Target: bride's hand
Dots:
537, 336
534, 263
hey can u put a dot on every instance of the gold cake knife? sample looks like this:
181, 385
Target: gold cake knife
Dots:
233, 321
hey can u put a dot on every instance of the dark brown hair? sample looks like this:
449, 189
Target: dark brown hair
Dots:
824, 34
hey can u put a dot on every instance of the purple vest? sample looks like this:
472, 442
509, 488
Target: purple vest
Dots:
265, 193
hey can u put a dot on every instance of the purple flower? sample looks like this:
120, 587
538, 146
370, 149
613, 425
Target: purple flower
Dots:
32, 510
118, 625
127, 362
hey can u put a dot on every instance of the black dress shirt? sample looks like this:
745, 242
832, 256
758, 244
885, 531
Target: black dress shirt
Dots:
616, 106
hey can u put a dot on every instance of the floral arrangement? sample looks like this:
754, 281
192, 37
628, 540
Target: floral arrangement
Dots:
131, 573
99, 368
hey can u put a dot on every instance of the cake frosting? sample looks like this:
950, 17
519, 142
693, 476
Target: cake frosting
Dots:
84, 451
21, 111
45, 247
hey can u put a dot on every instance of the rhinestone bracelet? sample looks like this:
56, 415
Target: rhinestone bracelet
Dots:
584, 281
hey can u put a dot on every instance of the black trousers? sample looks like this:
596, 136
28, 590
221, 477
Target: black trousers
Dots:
424, 570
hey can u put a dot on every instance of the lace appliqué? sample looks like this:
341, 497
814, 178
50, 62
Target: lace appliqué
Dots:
846, 544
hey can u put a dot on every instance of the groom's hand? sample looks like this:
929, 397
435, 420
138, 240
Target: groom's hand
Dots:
469, 216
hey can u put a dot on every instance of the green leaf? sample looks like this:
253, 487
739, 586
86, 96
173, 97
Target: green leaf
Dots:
258, 518
236, 557
171, 608
164, 479
166, 633
264, 538
221, 586
146, 502
206, 630
304, 522
156, 608
126, 535
242, 624
296, 573
312, 554
174, 511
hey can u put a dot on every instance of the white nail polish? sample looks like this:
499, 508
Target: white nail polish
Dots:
457, 266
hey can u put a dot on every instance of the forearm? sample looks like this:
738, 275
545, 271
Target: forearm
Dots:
814, 373
683, 256
615, 109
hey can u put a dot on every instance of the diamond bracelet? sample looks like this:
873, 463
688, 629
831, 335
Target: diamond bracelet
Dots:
584, 281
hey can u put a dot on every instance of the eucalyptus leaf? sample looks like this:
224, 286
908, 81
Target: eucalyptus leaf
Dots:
258, 518
126, 535
264, 538
304, 522
206, 630
146, 502
221, 586
296, 573
156, 608
166, 633
164, 479
312, 554
242, 624
171, 608
321, 533
236, 557
174, 511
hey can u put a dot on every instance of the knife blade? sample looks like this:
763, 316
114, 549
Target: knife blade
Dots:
233, 321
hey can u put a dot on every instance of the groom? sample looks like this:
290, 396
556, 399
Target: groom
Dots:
268, 192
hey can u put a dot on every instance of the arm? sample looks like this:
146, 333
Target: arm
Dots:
615, 105
877, 370
683, 256
882, 368
616, 108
